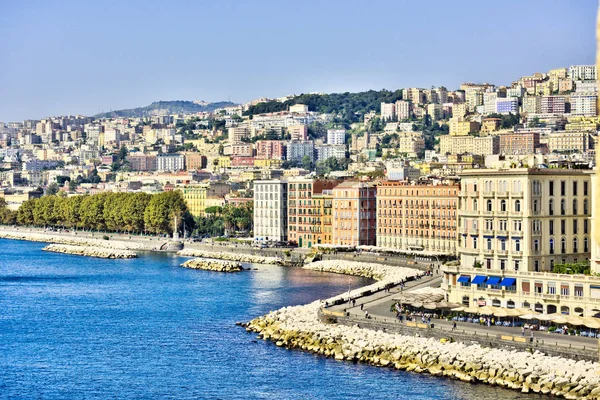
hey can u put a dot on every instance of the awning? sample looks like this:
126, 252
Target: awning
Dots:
493, 280
508, 281
478, 280
464, 279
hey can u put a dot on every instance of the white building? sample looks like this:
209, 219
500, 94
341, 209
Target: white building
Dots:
330, 150
336, 136
298, 149
403, 108
582, 72
508, 105
584, 104
170, 162
388, 111
270, 210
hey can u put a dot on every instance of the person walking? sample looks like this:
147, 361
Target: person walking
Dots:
531, 336
361, 306
522, 331
453, 325
366, 314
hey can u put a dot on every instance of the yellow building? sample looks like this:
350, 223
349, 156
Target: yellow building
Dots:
223, 162
460, 127
582, 124
201, 196
268, 163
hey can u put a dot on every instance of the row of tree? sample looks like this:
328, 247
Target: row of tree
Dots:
122, 212
228, 219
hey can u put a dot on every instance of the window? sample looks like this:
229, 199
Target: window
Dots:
536, 265
551, 246
564, 289
585, 245
502, 244
489, 206
517, 245
489, 224
585, 188
474, 204
575, 245
575, 207
563, 188
575, 188
518, 205
517, 264
585, 226
517, 225
563, 245
474, 242
578, 292
551, 226
563, 207
535, 206
585, 206
502, 265
488, 244
488, 264
503, 205
536, 245
502, 224
551, 207
575, 227
536, 226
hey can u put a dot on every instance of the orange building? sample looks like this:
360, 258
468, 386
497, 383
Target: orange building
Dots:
309, 211
354, 219
420, 217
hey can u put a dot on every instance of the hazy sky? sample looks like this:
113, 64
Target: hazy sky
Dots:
69, 57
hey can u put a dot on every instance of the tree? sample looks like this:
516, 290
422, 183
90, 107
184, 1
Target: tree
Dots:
307, 163
163, 209
123, 153
52, 189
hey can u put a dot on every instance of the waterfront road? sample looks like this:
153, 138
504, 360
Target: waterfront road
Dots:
378, 305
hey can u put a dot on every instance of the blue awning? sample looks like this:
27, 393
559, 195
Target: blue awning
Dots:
502, 237
508, 282
478, 280
464, 279
493, 280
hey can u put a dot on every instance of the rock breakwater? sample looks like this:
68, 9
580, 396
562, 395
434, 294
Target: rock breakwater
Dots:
301, 328
88, 251
213, 265
71, 240
239, 257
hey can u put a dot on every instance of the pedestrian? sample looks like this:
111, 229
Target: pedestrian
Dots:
522, 331
361, 306
429, 320
366, 314
531, 336
453, 325
353, 302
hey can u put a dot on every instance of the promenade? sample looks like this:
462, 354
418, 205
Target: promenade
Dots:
378, 306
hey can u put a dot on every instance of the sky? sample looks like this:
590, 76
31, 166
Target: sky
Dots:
85, 57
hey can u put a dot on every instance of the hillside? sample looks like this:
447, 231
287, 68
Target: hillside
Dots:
164, 108
349, 106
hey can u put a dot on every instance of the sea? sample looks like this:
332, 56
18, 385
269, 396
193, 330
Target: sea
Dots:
73, 327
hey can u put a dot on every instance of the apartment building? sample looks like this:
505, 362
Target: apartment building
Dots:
403, 109
584, 104
309, 210
388, 111
330, 150
515, 225
336, 136
200, 196
420, 217
519, 143
532, 105
271, 210
170, 162
298, 132
486, 145
195, 160
354, 214
553, 104
270, 150
508, 105
564, 141
297, 150
582, 72
460, 127
238, 134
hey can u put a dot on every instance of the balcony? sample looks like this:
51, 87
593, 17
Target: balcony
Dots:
516, 195
502, 252
516, 253
488, 194
463, 193
501, 194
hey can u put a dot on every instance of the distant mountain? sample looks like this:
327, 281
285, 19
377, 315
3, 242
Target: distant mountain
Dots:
164, 108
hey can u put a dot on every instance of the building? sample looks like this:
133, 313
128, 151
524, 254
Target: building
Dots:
195, 161
582, 72
485, 146
203, 195
238, 134
270, 150
519, 143
170, 162
584, 104
297, 150
242, 150
508, 105
309, 211
435, 111
330, 150
336, 136
420, 217
403, 109
354, 214
532, 105
553, 105
388, 111
298, 132
460, 127
299, 108
564, 141
411, 143
515, 226
142, 162
271, 210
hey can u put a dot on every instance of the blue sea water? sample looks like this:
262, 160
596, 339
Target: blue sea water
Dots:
82, 328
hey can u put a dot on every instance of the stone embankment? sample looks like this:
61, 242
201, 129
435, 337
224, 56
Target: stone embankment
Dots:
58, 238
300, 328
213, 265
89, 251
219, 255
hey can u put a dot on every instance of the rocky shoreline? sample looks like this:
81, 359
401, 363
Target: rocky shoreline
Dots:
218, 255
71, 240
213, 265
89, 251
301, 328
379, 272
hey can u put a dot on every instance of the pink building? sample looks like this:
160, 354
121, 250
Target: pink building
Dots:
270, 150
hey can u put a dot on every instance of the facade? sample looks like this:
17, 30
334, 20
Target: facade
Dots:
582, 72
515, 226
485, 146
201, 196
195, 161
297, 150
519, 143
532, 105
553, 105
336, 136
354, 214
238, 133
142, 162
403, 109
330, 150
388, 111
299, 108
421, 217
584, 104
271, 210
270, 150
170, 162
564, 141
309, 211
460, 127
508, 105
298, 132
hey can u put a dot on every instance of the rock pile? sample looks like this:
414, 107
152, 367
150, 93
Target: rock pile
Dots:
218, 255
68, 240
88, 251
299, 327
213, 265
